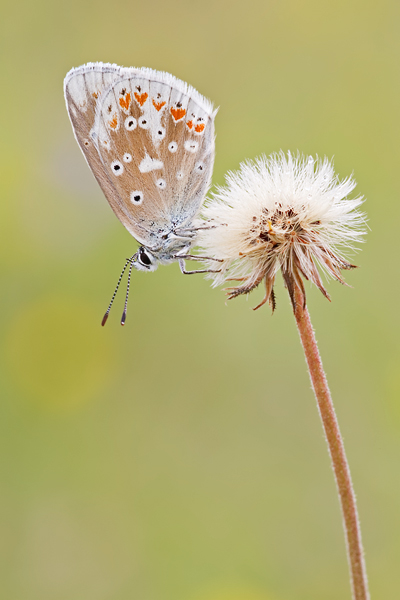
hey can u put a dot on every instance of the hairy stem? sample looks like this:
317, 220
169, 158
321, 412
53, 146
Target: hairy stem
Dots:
355, 554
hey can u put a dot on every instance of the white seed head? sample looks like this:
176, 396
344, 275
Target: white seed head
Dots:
281, 212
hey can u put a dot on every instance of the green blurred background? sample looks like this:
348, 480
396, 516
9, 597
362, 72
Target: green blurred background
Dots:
181, 457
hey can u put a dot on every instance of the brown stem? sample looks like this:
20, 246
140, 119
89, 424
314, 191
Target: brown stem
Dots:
355, 554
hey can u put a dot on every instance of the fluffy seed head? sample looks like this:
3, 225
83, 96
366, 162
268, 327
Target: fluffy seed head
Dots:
281, 212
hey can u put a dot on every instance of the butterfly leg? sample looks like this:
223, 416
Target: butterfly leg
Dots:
200, 228
183, 269
194, 257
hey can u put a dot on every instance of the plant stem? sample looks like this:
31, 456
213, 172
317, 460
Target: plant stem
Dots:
355, 554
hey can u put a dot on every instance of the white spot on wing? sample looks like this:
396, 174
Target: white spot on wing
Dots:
137, 197
130, 123
172, 147
160, 133
143, 123
150, 164
161, 183
127, 157
117, 167
191, 145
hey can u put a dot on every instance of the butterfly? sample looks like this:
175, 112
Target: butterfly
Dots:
149, 140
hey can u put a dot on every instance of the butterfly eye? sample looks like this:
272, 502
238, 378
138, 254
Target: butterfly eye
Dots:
144, 259
136, 197
161, 183
127, 157
172, 147
130, 123
191, 146
117, 167
143, 123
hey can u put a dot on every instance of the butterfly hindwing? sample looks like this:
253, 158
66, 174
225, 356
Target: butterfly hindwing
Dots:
155, 138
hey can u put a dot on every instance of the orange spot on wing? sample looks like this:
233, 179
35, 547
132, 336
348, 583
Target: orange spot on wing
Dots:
95, 95
199, 127
158, 105
141, 98
114, 122
190, 124
178, 113
125, 101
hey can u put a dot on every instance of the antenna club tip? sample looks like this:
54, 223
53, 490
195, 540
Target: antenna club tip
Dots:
104, 321
123, 318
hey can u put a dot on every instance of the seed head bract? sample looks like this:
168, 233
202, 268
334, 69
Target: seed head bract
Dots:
284, 212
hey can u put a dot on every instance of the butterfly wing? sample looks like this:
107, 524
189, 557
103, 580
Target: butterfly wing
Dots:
83, 88
155, 137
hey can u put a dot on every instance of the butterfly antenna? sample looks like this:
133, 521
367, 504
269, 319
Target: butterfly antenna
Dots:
123, 318
129, 260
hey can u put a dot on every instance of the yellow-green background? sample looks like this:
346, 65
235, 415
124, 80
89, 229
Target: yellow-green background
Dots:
181, 457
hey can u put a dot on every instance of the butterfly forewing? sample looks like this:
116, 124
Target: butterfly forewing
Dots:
155, 138
83, 88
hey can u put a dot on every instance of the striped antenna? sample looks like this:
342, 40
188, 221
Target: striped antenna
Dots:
128, 260
123, 318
